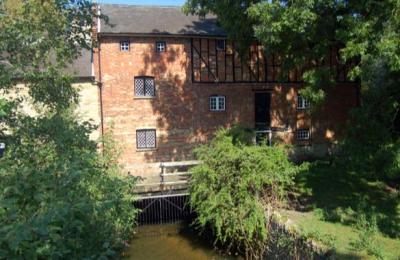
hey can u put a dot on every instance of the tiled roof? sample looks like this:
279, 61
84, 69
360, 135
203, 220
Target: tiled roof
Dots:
132, 19
82, 66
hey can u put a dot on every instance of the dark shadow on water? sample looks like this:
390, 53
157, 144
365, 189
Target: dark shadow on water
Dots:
172, 241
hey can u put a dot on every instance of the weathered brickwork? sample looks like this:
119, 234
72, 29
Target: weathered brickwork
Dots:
89, 105
180, 110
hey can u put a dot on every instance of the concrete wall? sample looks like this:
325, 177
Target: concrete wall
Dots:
180, 111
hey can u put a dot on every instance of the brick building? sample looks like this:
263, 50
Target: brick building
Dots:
168, 81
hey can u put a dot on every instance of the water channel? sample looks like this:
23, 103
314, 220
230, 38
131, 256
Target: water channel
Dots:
172, 242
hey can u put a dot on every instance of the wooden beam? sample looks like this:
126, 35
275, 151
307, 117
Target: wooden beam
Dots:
191, 58
201, 58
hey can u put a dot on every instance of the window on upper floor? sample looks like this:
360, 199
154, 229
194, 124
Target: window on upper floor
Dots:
303, 134
124, 45
144, 87
217, 103
2, 148
145, 138
221, 45
160, 47
302, 103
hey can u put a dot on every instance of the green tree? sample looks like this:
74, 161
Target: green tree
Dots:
303, 32
232, 188
59, 197
231, 16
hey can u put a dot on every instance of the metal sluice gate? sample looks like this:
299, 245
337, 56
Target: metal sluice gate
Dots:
163, 209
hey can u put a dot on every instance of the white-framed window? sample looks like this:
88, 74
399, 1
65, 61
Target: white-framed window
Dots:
302, 103
160, 46
221, 45
2, 148
145, 138
303, 134
124, 45
217, 103
144, 87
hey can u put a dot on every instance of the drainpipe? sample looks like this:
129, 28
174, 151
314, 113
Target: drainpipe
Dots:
100, 85
100, 80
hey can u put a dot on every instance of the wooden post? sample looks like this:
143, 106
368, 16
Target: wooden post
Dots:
162, 176
270, 138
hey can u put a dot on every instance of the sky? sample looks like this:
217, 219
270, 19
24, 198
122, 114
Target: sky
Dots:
144, 2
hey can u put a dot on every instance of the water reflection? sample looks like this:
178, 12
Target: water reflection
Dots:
171, 242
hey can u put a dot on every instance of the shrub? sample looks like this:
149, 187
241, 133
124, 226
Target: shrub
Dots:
328, 240
367, 241
227, 189
242, 135
59, 197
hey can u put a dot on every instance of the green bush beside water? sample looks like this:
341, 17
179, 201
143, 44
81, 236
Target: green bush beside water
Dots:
59, 197
238, 184
233, 188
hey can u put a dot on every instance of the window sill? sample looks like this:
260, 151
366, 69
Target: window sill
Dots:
144, 97
303, 146
217, 111
146, 150
303, 143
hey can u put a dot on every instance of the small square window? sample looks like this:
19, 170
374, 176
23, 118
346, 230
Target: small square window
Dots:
217, 103
303, 134
146, 138
145, 87
160, 46
124, 45
302, 103
221, 45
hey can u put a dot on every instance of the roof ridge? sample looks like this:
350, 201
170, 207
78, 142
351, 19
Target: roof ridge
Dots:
146, 6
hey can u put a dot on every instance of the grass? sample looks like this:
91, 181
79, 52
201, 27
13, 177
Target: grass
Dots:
359, 218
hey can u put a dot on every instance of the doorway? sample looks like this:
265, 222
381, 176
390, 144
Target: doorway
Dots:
262, 103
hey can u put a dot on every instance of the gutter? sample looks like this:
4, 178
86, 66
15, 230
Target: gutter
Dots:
161, 34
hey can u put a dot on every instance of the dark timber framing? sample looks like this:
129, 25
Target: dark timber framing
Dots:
256, 68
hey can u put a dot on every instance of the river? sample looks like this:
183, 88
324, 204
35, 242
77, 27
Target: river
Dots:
171, 242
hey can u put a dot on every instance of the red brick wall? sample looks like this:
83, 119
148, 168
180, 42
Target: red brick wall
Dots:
180, 111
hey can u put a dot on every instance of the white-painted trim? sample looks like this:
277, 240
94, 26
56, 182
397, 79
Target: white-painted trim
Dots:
98, 19
302, 103
216, 98
301, 137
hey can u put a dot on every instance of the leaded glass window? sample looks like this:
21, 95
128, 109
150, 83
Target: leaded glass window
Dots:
144, 87
146, 138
